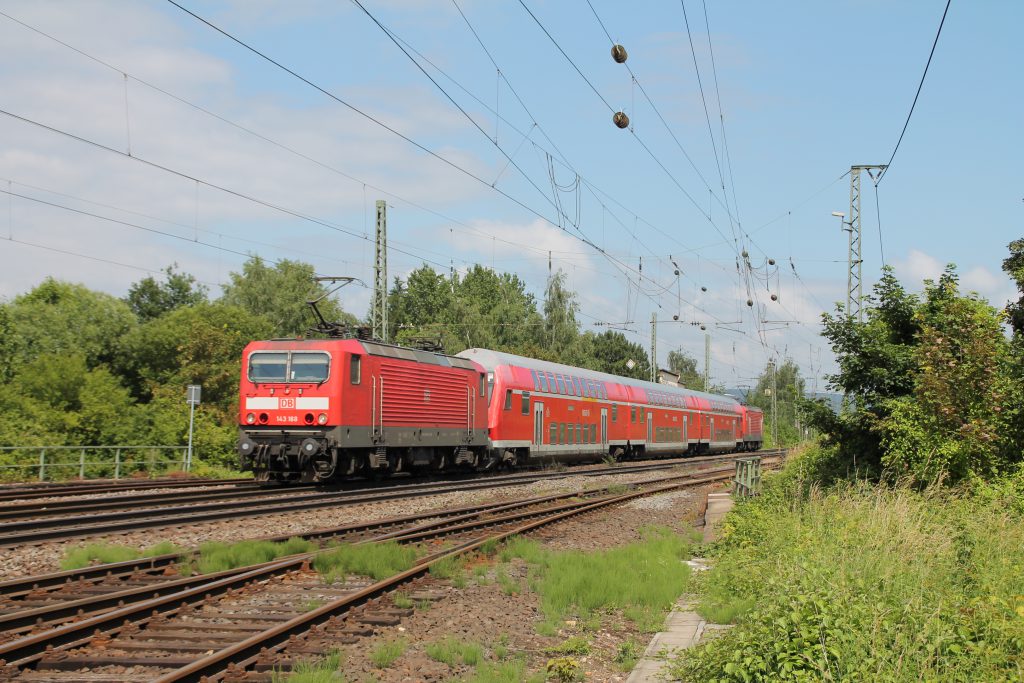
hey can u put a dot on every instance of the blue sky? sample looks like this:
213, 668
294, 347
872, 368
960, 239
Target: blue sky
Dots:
807, 89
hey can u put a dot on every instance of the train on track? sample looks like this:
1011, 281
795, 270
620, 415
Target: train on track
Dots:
322, 410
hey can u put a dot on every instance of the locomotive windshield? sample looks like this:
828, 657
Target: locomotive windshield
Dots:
289, 366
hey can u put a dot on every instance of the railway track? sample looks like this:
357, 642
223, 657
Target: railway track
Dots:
253, 618
37, 491
64, 520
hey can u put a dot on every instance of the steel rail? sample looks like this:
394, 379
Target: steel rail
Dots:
57, 490
27, 650
21, 532
244, 654
20, 587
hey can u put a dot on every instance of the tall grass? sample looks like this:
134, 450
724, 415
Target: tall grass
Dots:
105, 553
325, 670
376, 560
215, 556
641, 579
385, 654
454, 652
865, 583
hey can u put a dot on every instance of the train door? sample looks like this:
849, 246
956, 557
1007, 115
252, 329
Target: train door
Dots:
604, 426
650, 427
538, 423
686, 432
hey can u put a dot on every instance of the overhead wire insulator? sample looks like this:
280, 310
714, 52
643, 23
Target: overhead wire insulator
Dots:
619, 54
620, 119
771, 262
775, 297
750, 302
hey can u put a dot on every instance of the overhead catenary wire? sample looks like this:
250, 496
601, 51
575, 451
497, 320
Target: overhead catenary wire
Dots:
619, 264
365, 184
916, 94
235, 193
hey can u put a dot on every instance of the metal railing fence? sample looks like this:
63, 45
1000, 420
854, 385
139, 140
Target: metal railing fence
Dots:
747, 481
67, 462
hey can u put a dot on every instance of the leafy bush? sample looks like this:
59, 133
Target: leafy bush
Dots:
864, 583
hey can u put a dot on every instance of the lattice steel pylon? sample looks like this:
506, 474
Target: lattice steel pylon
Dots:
854, 276
379, 310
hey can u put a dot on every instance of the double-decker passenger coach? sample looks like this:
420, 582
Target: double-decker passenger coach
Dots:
540, 410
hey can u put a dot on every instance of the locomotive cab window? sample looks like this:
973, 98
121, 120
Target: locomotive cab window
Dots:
355, 368
289, 366
309, 367
268, 367
483, 384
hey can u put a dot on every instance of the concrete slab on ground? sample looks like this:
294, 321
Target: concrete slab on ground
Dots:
718, 505
683, 627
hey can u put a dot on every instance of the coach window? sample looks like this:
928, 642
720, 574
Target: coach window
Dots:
554, 434
570, 386
579, 433
632, 413
508, 399
543, 381
561, 432
536, 380
355, 368
593, 433
526, 403
642, 411
561, 384
615, 412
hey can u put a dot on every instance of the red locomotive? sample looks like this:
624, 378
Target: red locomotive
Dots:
325, 409
321, 410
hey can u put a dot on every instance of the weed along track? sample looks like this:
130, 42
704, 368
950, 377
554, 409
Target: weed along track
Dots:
168, 627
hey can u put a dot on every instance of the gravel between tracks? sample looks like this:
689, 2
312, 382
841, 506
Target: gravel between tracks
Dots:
38, 559
482, 613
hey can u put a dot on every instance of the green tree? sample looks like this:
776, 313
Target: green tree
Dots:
150, 299
193, 345
62, 318
279, 293
932, 385
948, 425
612, 353
685, 365
788, 387
1013, 265
560, 307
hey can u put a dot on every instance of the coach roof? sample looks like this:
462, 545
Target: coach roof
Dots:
492, 359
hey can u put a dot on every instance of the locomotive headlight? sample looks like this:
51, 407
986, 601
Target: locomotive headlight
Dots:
321, 419
250, 419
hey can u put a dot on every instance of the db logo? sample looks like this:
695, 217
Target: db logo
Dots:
287, 403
